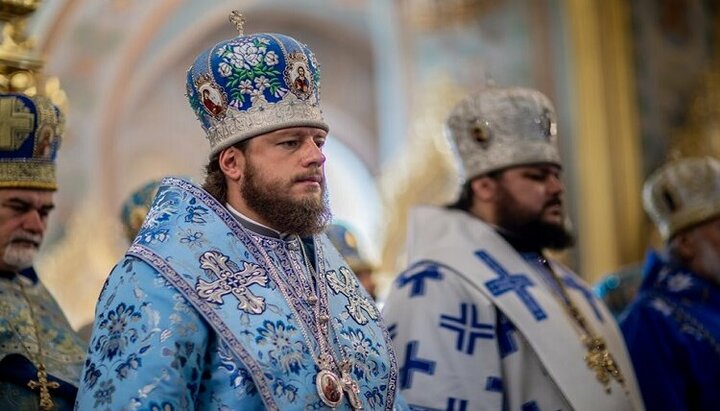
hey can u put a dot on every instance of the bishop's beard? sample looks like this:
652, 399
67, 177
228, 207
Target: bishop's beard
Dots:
527, 228
270, 199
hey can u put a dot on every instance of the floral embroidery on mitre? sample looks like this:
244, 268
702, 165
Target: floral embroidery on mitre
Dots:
254, 84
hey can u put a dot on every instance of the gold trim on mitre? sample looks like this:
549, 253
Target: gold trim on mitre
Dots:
27, 174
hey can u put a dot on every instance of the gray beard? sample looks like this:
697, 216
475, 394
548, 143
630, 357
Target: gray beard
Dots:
19, 257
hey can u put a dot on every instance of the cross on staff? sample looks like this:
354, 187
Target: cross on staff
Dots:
238, 20
46, 402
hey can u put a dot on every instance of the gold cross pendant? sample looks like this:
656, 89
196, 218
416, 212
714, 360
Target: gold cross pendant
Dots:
602, 362
46, 402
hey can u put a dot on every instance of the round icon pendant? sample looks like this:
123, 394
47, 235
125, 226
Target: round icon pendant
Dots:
329, 388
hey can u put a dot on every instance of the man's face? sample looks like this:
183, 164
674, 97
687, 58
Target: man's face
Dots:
284, 180
23, 219
705, 259
529, 204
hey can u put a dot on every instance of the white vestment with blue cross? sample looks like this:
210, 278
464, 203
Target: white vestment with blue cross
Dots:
196, 317
478, 326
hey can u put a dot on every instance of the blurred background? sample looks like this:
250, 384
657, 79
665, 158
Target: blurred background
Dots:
634, 83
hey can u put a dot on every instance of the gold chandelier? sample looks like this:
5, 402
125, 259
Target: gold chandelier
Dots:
20, 64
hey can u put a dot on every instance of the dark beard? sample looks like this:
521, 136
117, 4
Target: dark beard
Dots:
526, 231
304, 217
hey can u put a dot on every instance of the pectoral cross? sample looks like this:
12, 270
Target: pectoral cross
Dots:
602, 362
46, 402
350, 386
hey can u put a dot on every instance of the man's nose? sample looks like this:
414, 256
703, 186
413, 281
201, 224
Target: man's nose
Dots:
313, 154
555, 184
33, 222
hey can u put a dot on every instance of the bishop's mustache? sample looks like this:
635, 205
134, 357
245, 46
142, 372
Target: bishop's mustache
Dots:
24, 237
312, 176
553, 202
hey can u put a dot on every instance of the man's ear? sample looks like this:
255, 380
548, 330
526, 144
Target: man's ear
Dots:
684, 244
232, 163
484, 188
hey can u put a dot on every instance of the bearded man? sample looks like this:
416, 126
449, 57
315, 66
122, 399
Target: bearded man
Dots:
482, 319
40, 355
230, 296
672, 329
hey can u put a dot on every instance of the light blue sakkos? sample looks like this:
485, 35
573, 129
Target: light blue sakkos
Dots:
203, 313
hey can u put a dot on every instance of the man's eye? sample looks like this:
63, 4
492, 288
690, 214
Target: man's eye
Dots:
537, 176
18, 208
290, 143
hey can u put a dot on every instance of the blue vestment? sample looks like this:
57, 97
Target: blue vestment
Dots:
62, 350
206, 312
672, 331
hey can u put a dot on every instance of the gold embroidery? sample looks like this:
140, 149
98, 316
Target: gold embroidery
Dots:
42, 384
17, 123
598, 357
28, 173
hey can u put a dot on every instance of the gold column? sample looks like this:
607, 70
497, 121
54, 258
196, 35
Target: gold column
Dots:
608, 160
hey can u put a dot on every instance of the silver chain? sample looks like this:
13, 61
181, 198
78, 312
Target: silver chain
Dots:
329, 361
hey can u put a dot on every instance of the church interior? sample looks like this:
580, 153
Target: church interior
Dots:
634, 84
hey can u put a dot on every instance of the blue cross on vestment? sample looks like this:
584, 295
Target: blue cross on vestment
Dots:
414, 363
453, 404
506, 339
467, 325
589, 296
417, 275
456, 404
392, 330
517, 283
494, 384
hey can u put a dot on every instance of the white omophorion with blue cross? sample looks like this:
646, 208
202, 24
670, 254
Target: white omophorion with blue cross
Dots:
477, 325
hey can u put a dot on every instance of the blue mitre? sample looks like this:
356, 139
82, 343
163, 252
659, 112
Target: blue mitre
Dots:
136, 206
344, 240
31, 129
254, 84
